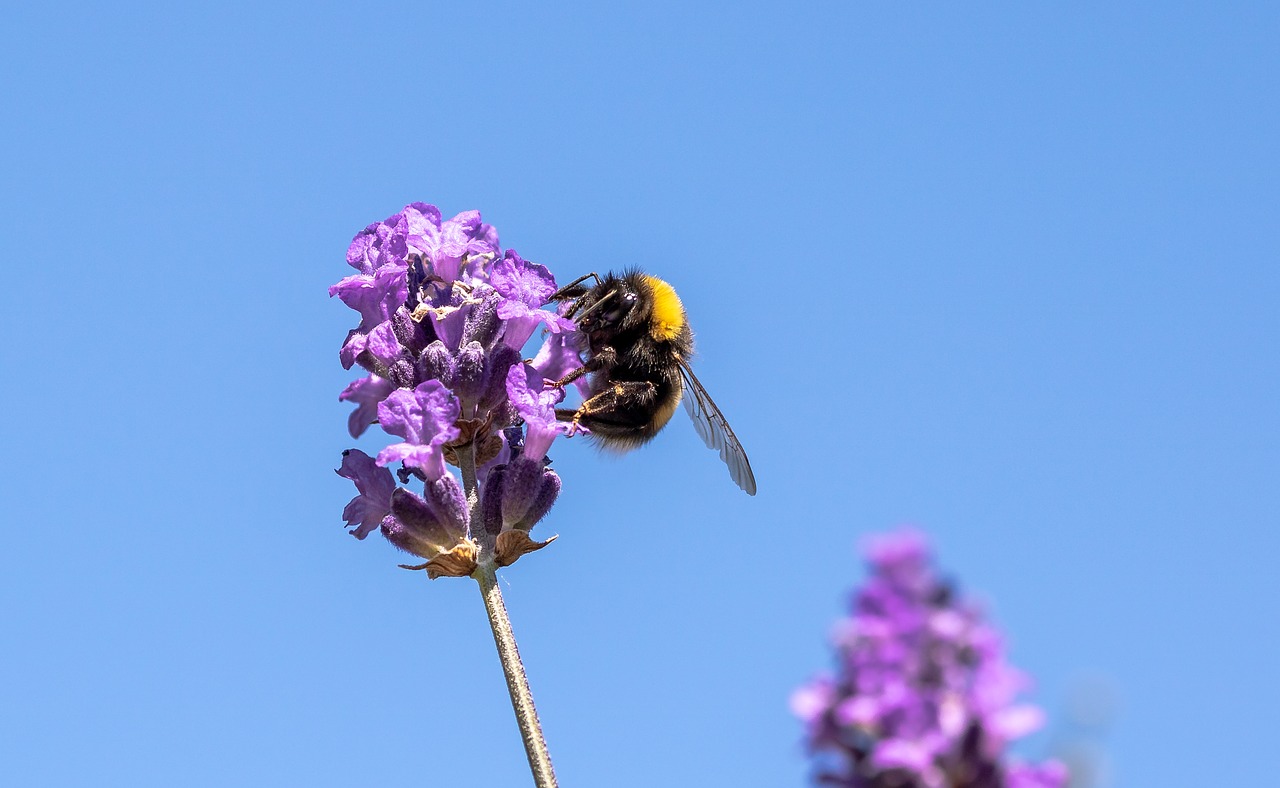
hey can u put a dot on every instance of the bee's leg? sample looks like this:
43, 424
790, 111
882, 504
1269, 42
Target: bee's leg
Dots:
604, 358
618, 398
574, 289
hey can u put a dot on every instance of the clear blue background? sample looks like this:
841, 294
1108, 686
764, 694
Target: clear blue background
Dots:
1008, 273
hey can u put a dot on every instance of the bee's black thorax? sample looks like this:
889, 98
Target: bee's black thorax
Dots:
635, 336
636, 342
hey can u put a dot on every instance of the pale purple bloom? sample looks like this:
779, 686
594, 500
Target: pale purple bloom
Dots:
536, 404
1051, 774
374, 485
366, 393
375, 295
424, 417
444, 317
525, 288
445, 244
922, 695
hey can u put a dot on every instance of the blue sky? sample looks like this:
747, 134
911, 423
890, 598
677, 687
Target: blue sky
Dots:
1008, 274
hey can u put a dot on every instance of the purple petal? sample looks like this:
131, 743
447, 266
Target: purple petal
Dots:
1050, 774
425, 418
1015, 722
420, 221
375, 296
449, 321
366, 393
454, 239
902, 754
813, 700
536, 405
356, 343
375, 486
558, 357
521, 281
382, 343
363, 250
428, 459
523, 321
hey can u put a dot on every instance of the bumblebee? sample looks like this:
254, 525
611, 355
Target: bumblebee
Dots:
637, 342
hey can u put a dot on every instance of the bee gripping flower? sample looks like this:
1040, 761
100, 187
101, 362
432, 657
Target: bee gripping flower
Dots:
444, 319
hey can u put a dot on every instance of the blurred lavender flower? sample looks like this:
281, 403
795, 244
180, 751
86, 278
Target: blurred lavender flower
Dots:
922, 696
444, 317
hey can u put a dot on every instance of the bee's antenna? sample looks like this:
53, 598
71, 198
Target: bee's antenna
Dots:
593, 307
562, 292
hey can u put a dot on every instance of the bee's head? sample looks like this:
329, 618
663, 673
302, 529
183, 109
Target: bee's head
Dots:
613, 305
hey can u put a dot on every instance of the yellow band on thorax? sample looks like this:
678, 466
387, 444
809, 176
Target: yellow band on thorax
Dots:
668, 312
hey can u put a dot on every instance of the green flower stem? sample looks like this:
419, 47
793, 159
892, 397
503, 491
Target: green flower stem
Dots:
517, 682
504, 637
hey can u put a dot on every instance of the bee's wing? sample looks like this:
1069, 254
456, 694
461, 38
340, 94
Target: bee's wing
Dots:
715, 430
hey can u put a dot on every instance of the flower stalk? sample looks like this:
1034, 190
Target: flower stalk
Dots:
535, 746
504, 637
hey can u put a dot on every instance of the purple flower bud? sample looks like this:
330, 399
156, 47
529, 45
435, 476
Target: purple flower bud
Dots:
375, 487
548, 491
403, 373
491, 500
501, 359
523, 483
449, 502
412, 335
482, 323
437, 363
415, 528
470, 381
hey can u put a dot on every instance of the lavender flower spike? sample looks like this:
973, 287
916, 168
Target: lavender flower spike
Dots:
921, 695
444, 318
